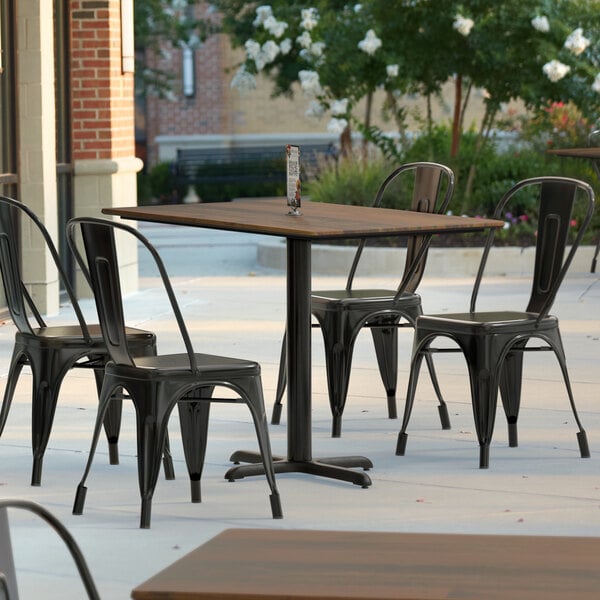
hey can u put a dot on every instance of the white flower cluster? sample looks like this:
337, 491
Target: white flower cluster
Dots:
463, 25
392, 71
577, 42
310, 18
370, 44
262, 55
309, 82
265, 17
541, 23
555, 70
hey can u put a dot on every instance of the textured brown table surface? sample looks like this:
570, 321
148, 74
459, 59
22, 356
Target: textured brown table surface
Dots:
317, 221
593, 152
249, 564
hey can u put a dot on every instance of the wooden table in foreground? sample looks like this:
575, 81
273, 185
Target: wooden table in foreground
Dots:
317, 222
253, 564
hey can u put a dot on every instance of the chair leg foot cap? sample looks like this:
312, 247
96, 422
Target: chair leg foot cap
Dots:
444, 416
484, 457
146, 513
584, 448
195, 490
401, 444
276, 416
513, 437
391, 404
113, 453
276, 506
79, 500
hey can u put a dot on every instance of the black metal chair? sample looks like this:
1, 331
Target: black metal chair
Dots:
341, 314
8, 582
157, 383
51, 351
493, 342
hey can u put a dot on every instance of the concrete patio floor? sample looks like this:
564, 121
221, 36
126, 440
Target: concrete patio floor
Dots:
234, 308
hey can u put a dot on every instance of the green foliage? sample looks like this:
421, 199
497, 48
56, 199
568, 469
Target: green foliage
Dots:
356, 182
348, 181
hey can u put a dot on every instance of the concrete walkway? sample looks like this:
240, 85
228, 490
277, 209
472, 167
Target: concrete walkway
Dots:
235, 307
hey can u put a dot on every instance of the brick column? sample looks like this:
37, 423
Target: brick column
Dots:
104, 159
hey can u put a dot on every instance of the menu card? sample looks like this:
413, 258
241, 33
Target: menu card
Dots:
293, 179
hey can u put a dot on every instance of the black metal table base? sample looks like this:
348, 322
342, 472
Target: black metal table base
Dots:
331, 467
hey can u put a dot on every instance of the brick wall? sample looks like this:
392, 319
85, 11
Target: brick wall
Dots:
102, 96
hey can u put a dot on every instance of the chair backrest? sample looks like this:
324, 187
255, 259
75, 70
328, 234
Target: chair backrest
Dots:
101, 268
21, 305
8, 581
556, 201
428, 182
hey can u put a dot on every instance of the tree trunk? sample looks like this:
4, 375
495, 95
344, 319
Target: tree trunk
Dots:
430, 126
456, 120
482, 136
346, 143
368, 111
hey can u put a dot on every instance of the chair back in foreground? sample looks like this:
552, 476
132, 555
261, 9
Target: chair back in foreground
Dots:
493, 342
157, 384
8, 579
50, 351
342, 314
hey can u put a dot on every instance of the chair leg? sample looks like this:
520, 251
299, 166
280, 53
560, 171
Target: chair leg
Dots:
112, 420
193, 419
153, 408
511, 376
442, 406
252, 393
385, 340
415, 368
484, 395
281, 383
16, 365
103, 402
556, 343
43, 409
338, 364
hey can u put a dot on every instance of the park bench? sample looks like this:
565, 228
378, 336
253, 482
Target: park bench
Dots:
242, 164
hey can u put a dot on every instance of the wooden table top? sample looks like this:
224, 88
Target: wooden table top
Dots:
317, 221
253, 564
592, 152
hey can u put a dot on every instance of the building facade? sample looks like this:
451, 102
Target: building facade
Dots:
67, 124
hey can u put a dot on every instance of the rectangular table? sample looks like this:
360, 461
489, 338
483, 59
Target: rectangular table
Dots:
318, 221
253, 564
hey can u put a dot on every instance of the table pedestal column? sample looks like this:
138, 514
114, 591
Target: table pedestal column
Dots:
299, 366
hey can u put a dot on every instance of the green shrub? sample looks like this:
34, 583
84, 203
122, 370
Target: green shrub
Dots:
356, 182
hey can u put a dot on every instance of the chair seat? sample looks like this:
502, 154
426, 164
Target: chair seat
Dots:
171, 364
74, 333
356, 299
484, 323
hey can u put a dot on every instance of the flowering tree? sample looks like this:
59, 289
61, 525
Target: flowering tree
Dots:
534, 50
